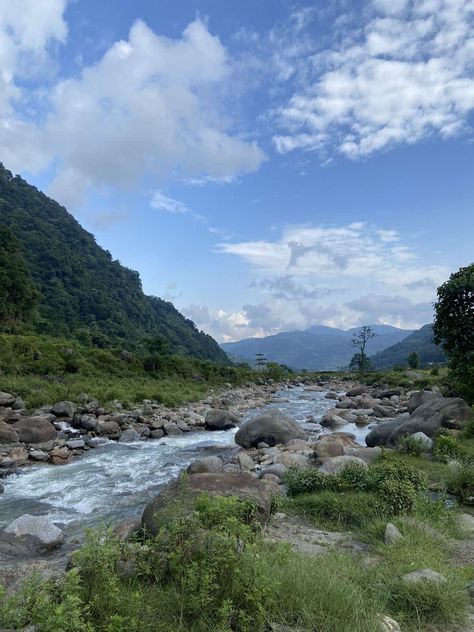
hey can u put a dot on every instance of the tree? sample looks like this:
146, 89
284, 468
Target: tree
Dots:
260, 360
454, 328
413, 360
18, 295
359, 341
156, 347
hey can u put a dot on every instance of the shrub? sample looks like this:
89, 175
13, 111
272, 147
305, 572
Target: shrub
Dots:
461, 480
399, 496
306, 480
412, 446
446, 447
400, 472
354, 477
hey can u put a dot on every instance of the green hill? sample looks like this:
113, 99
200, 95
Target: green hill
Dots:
420, 341
83, 291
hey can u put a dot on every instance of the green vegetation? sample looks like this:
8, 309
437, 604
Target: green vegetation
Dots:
413, 360
454, 329
419, 342
360, 360
43, 369
84, 293
211, 571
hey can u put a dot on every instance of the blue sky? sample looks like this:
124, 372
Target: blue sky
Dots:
266, 165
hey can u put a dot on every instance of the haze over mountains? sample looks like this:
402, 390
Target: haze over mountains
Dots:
319, 347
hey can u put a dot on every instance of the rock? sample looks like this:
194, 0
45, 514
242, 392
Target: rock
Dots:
425, 575
332, 420
339, 463
421, 397
388, 624
34, 532
177, 497
157, 434
6, 399
382, 431
360, 389
387, 393
88, 423
369, 455
8, 434
426, 441
18, 404
262, 445
217, 419
209, 464
126, 529
39, 455
171, 429
75, 444
335, 444
64, 409
361, 420
18, 455
466, 522
331, 395
34, 430
298, 445
60, 456
277, 469
450, 412
108, 428
129, 435
272, 427
392, 534
246, 464
290, 459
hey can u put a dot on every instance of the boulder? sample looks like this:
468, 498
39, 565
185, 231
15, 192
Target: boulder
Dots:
88, 422
108, 428
369, 455
392, 534
338, 464
177, 497
421, 397
387, 624
246, 463
6, 399
7, 434
466, 523
171, 429
290, 459
271, 427
277, 469
60, 456
64, 409
129, 435
37, 533
425, 575
209, 464
18, 455
217, 419
381, 433
34, 430
359, 389
157, 434
426, 441
332, 420
75, 444
39, 455
335, 444
450, 412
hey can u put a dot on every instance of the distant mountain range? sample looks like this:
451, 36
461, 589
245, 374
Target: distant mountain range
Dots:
420, 341
316, 348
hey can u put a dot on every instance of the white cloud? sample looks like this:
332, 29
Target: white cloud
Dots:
151, 105
338, 276
161, 202
407, 76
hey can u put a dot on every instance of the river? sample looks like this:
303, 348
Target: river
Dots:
114, 481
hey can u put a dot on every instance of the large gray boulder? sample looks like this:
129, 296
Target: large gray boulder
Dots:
177, 498
338, 464
209, 464
37, 533
64, 409
421, 397
217, 419
271, 427
7, 434
34, 429
6, 399
382, 431
437, 412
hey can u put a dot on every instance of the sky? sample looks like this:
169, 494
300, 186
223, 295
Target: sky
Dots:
266, 165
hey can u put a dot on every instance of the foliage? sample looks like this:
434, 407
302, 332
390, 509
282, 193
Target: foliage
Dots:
454, 328
360, 362
461, 480
420, 342
413, 360
18, 295
412, 445
359, 341
446, 447
84, 292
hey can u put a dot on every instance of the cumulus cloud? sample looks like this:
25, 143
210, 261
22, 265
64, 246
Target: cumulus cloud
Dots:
340, 276
150, 105
402, 77
161, 202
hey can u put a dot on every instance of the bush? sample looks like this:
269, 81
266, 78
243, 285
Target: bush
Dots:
399, 496
446, 447
412, 446
461, 480
306, 480
400, 472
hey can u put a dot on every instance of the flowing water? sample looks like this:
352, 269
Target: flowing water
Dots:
115, 480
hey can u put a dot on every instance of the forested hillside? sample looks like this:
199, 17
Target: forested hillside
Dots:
420, 342
82, 291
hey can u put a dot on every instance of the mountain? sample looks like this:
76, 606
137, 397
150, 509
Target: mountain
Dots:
420, 341
83, 291
316, 348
